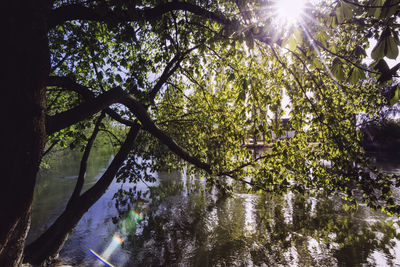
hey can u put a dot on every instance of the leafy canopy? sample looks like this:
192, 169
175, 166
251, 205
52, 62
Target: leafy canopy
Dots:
211, 72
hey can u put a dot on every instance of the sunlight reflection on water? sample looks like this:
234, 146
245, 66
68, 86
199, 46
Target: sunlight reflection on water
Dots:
185, 224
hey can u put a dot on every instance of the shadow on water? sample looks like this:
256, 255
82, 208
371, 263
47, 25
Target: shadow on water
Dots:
177, 221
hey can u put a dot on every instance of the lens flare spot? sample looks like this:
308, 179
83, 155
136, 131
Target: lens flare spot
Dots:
101, 258
126, 227
118, 239
136, 214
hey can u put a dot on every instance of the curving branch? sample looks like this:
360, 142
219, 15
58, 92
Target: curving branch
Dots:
50, 148
78, 12
247, 164
82, 169
94, 105
83, 111
147, 124
338, 55
88, 95
70, 84
117, 95
170, 69
52, 240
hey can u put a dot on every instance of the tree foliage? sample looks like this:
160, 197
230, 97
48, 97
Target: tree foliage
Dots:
197, 76
232, 64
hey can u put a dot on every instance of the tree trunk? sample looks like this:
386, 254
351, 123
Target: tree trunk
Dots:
25, 70
48, 245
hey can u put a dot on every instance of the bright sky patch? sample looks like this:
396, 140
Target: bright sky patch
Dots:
289, 11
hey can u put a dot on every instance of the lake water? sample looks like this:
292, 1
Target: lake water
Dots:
178, 222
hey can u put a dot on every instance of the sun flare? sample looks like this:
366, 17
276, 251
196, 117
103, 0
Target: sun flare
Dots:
289, 11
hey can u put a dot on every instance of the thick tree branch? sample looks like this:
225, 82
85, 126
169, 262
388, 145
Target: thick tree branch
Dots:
117, 95
141, 113
83, 111
79, 12
70, 84
53, 238
102, 184
82, 169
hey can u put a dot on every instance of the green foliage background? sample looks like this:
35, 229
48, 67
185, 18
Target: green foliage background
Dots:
231, 81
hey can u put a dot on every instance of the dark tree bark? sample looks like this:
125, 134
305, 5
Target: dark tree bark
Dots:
49, 244
82, 169
80, 12
25, 70
83, 111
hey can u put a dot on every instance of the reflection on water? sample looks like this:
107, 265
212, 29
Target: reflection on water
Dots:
55, 186
184, 224
256, 230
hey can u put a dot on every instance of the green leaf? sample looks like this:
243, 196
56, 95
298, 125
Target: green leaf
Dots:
392, 50
356, 75
317, 63
386, 46
380, 65
396, 97
333, 48
347, 10
376, 12
331, 20
337, 69
389, 11
285, 42
344, 12
379, 50
323, 38
359, 51
292, 43
298, 34
340, 14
